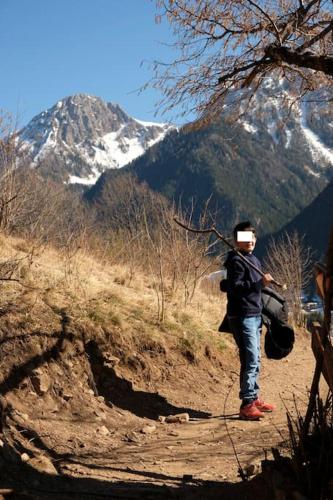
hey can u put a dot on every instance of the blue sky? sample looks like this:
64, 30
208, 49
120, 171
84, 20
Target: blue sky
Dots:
50, 49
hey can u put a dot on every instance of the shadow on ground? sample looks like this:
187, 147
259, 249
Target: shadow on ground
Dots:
20, 371
119, 391
27, 483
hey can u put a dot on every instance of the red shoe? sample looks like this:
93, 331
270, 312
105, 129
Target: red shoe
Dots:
250, 412
262, 406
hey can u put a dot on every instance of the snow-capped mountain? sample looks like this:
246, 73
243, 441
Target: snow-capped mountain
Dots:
266, 167
81, 136
293, 124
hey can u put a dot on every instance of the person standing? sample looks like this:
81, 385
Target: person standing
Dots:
244, 285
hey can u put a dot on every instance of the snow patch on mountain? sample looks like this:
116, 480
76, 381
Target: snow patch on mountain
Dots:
50, 142
311, 172
318, 150
114, 150
288, 138
151, 124
249, 127
276, 111
85, 136
86, 181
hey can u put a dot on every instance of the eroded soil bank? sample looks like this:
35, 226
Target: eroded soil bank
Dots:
80, 416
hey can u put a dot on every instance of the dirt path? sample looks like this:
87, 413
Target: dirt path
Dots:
99, 450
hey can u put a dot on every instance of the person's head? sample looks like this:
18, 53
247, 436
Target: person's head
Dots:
245, 236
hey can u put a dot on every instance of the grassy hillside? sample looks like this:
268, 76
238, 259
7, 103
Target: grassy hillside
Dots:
97, 300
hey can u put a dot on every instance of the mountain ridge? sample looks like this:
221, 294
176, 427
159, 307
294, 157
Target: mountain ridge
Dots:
82, 135
313, 224
268, 166
244, 177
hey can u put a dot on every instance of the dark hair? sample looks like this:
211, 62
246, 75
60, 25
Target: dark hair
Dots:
243, 226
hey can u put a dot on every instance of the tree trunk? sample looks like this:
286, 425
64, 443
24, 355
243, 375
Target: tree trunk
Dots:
329, 282
307, 59
330, 256
325, 337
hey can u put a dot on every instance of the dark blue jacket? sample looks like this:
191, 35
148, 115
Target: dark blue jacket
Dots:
244, 285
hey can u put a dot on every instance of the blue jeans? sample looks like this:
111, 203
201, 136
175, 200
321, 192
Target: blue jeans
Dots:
246, 331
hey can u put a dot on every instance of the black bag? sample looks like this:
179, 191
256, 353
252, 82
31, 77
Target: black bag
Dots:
279, 340
274, 306
280, 337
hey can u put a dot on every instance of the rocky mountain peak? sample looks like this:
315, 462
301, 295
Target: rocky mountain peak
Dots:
82, 135
266, 167
293, 123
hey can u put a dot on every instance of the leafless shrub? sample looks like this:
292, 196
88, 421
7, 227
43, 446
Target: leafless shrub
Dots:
191, 252
139, 230
30, 205
123, 211
177, 259
290, 262
12, 155
130, 225
45, 211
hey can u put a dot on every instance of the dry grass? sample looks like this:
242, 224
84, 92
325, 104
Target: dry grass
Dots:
102, 298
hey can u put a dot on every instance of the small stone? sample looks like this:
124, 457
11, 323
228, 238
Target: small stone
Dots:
90, 391
110, 361
2, 444
101, 399
41, 383
148, 429
99, 413
161, 419
179, 418
132, 437
67, 396
43, 464
25, 457
24, 416
103, 431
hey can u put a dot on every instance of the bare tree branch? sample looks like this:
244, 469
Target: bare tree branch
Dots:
227, 46
213, 230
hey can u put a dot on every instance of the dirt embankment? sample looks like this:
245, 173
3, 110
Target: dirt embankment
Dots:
80, 415
86, 371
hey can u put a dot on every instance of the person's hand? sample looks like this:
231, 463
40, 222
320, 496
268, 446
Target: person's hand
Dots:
267, 278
